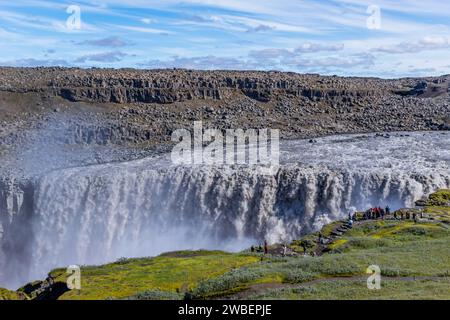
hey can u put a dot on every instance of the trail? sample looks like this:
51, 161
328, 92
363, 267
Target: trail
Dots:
262, 287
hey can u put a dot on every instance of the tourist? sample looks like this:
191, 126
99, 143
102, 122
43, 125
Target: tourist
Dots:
266, 250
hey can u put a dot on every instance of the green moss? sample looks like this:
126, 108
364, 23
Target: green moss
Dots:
327, 229
172, 272
6, 294
337, 243
439, 198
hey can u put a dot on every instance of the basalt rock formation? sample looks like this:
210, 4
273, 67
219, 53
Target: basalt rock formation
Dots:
129, 106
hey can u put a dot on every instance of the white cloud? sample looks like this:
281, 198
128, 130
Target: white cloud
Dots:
113, 41
147, 20
113, 56
31, 62
319, 47
427, 43
144, 29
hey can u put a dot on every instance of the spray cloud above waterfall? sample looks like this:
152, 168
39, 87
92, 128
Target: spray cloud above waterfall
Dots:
249, 147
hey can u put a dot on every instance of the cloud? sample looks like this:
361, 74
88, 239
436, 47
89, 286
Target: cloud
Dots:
147, 20
112, 41
270, 53
113, 56
37, 22
422, 70
31, 62
268, 59
307, 47
428, 43
202, 19
203, 62
347, 61
143, 29
261, 28
318, 47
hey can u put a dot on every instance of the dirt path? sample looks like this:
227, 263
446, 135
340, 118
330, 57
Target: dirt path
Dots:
261, 287
337, 232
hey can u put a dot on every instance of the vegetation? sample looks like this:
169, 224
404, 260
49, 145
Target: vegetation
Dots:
413, 257
439, 198
357, 289
8, 295
172, 273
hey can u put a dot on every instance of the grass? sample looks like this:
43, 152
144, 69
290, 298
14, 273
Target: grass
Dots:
171, 273
6, 294
439, 213
400, 248
357, 290
336, 244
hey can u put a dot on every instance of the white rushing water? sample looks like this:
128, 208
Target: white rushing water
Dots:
96, 214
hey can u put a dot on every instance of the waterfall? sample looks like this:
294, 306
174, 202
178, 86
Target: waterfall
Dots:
96, 214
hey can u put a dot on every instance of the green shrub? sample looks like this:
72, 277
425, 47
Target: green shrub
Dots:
225, 282
303, 290
297, 276
395, 272
366, 243
156, 295
439, 198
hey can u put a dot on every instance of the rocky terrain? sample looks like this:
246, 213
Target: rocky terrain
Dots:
123, 114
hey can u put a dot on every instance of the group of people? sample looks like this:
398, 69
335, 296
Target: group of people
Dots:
380, 213
407, 215
260, 248
370, 214
265, 249
376, 213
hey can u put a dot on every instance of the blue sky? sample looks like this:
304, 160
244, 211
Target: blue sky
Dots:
347, 37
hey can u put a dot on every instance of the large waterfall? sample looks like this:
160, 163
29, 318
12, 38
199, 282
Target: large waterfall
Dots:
96, 214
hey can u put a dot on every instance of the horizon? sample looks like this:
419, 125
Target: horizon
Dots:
346, 38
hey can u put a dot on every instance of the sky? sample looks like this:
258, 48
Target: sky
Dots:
382, 38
